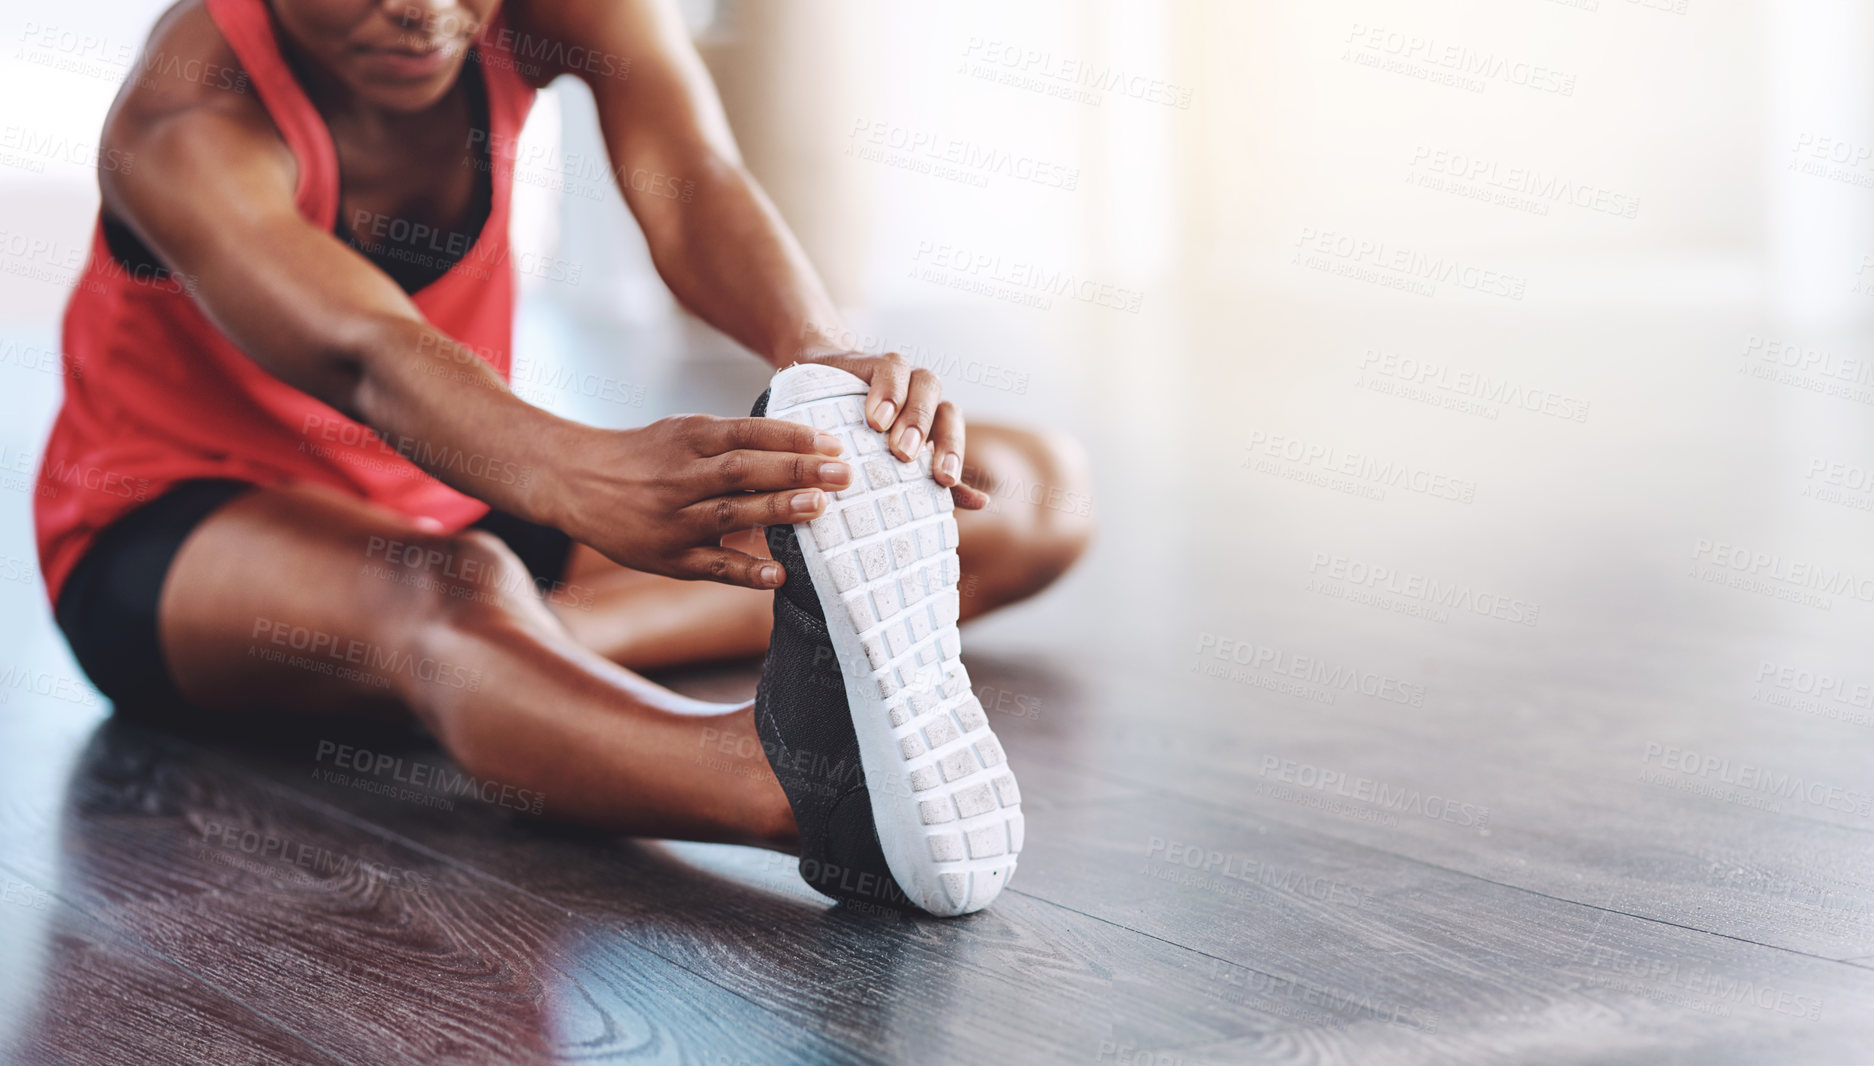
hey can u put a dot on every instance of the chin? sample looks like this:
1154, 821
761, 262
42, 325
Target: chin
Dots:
407, 95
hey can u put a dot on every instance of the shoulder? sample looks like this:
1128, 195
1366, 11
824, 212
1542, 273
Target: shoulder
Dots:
186, 63
188, 82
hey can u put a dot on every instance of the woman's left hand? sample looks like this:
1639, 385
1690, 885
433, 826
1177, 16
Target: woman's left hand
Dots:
906, 404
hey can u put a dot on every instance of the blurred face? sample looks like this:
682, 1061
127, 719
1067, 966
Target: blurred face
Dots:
401, 55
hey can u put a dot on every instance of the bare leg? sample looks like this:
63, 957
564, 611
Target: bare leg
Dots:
1037, 526
296, 600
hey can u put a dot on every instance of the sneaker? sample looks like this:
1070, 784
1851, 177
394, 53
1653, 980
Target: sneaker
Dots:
901, 791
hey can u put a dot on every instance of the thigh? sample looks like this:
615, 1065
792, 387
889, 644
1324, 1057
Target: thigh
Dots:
302, 599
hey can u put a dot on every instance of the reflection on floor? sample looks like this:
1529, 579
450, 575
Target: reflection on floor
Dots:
1446, 686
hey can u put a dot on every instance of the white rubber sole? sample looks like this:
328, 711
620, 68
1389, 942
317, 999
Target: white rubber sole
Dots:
883, 560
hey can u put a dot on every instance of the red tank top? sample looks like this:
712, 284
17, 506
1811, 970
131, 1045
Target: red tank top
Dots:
155, 394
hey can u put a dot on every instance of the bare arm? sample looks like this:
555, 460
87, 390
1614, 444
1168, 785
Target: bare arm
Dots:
724, 250
212, 194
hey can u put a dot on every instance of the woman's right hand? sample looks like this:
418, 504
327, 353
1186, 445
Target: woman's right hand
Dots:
661, 497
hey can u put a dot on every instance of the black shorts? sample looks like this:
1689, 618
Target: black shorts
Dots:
107, 609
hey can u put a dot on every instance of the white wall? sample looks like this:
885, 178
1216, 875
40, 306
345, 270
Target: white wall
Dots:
1695, 114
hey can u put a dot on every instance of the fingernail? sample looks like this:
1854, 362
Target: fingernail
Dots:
885, 411
952, 466
827, 444
908, 443
770, 574
805, 502
835, 472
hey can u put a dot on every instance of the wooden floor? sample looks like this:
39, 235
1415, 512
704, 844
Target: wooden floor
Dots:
1290, 797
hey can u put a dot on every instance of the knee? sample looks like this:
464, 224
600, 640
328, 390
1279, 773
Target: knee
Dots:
1064, 503
1051, 495
472, 581
470, 589
472, 595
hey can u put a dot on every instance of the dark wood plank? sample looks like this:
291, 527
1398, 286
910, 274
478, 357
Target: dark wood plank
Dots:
884, 984
1793, 877
95, 998
1451, 962
1595, 917
382, 952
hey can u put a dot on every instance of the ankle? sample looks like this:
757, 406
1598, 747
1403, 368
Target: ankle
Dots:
772, 820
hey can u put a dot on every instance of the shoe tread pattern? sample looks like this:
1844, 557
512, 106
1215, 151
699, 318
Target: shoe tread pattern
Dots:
890, 543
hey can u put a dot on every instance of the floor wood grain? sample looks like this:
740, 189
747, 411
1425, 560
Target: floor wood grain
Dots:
1279, 811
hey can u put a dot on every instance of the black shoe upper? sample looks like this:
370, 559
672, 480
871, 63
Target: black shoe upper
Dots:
806, 730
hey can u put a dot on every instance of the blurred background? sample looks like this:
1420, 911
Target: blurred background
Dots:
1601, 268
1562, 304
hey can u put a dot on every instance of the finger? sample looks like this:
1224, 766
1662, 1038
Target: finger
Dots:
920, 406
729, 567
946, 438
718, 517
891, 378
765, 435
968, 498
744, 470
